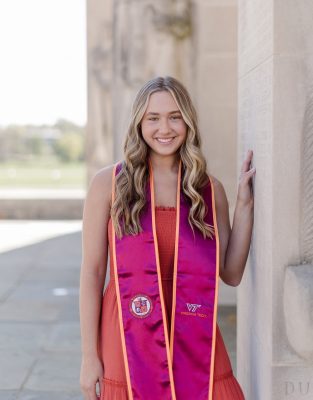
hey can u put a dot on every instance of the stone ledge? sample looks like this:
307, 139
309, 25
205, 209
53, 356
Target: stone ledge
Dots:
55, 208
298, 303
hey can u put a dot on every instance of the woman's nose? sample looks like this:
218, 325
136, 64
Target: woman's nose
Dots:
164, 126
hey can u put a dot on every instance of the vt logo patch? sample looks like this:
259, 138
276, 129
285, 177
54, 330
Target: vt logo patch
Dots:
193, 307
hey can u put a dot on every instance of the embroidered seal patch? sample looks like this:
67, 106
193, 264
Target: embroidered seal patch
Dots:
140, 305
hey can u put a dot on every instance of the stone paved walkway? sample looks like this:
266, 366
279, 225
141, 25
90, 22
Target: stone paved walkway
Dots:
39, 319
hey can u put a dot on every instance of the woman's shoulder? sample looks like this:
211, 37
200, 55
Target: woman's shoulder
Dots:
101, 183
103, 175
219, 191
215, 182
105, 172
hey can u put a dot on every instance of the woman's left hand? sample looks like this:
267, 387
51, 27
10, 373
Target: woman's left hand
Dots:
245, 192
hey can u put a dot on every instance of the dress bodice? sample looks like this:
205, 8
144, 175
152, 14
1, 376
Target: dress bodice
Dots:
165, 219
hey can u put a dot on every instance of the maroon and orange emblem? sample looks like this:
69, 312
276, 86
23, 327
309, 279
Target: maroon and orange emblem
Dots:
140, 305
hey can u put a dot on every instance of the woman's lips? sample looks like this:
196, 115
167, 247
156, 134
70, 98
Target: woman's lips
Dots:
165, 140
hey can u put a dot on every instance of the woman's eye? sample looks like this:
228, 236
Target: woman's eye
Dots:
156, 118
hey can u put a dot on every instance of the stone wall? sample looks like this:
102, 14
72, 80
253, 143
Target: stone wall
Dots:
275, 120
100, 138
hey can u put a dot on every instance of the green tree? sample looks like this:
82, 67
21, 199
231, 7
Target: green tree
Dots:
70, 147
35, 144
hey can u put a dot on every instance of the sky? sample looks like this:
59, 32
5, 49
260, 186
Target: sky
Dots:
42, 61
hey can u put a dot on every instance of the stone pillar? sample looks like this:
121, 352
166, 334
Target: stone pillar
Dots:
100, 139
151, 38
213, 86
275, 298
129, 42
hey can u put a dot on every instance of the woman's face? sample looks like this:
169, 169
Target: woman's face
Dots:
163, 127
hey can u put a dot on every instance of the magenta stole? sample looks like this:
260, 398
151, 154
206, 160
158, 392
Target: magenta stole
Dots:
158, 367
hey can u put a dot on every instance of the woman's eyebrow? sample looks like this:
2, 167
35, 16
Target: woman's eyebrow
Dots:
171, 112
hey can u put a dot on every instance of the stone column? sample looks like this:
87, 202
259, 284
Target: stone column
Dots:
275, 298
213, 85
99, 140
150, 39
129, 42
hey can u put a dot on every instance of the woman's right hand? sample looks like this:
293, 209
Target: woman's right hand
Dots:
91, 372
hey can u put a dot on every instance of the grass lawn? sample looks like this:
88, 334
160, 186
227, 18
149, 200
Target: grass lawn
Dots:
42, 174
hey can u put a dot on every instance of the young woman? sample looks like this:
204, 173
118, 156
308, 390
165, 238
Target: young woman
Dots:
153, 334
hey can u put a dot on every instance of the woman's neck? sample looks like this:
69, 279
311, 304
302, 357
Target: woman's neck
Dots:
164, 163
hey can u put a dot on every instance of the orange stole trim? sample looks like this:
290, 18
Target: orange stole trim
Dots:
175, 263
216, 291
169, 359
129, 388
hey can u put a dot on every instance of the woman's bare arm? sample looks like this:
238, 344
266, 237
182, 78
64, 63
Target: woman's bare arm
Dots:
92, 277
235, 241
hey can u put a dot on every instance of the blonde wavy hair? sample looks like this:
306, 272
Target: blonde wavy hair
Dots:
131, 180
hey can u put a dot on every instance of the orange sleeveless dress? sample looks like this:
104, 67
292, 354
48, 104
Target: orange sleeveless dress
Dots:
114, 387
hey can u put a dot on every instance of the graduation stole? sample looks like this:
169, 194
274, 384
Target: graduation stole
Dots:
159, 367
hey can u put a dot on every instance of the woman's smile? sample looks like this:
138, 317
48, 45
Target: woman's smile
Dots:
165, 140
